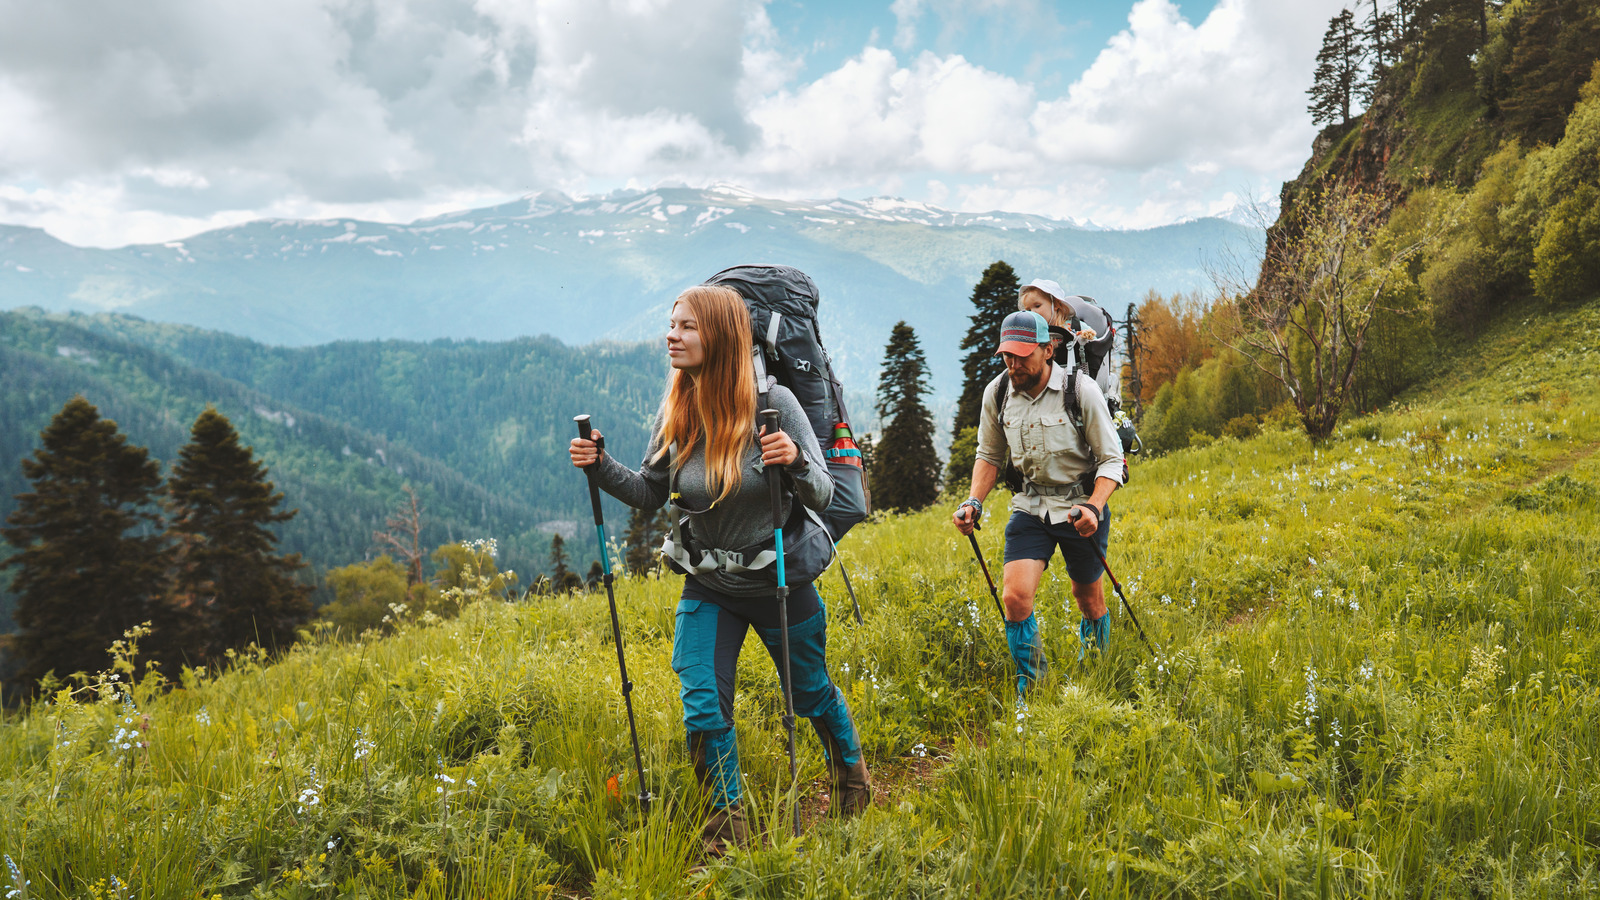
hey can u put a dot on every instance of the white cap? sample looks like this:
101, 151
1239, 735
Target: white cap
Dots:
1048, 286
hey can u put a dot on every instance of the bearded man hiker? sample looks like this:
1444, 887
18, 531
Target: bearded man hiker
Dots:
1060, 437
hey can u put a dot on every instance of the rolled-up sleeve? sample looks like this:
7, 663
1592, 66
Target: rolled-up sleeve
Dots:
991, 436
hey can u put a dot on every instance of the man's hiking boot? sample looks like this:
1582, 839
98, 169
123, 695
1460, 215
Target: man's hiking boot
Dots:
725, 829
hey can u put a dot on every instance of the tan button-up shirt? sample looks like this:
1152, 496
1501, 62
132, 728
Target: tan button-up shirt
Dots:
1041, 439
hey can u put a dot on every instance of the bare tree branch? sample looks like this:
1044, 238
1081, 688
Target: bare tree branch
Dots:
403, 534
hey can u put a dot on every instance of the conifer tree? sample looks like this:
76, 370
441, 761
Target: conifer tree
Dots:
1381, 33
907, 467
223, 508
91, 561
562, 578
645, 528
994, 297
1338, 70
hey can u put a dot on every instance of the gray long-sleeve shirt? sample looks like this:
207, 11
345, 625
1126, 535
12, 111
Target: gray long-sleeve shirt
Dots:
744, 517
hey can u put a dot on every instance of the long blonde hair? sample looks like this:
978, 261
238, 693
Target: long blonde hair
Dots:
718, 401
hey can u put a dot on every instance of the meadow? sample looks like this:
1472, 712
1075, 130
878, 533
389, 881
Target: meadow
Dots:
1377, 675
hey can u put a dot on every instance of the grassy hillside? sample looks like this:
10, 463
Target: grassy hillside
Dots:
1379, 677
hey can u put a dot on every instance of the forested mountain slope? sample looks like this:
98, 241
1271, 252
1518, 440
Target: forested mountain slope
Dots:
473, 427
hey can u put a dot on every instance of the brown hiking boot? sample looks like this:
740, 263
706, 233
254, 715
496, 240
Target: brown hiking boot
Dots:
725, 829
852, 789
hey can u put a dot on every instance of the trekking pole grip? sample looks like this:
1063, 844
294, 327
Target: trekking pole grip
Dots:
585, 429
769, 418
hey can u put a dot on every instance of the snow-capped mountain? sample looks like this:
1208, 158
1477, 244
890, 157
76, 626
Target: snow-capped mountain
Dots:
606, 268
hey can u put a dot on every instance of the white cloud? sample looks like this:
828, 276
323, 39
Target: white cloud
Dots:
175, 115
906, 13
1229, 91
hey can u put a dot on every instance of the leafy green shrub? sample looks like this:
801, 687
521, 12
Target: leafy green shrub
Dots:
365, 594
1566, 262
1241, 427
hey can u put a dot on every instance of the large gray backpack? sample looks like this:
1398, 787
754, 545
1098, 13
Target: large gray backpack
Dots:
783, 318
1093, 356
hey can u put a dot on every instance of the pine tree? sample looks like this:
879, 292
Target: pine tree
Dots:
91, 561
1338, 70
562, 578
1381, 34
907, 467
994, 297
223, 508
645, 528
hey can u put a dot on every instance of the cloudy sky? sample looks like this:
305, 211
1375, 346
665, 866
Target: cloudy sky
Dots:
130, 122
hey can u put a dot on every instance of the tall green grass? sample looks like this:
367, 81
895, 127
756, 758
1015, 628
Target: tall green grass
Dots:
1377, 676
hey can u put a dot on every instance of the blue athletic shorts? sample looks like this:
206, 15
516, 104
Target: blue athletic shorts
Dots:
1028, 537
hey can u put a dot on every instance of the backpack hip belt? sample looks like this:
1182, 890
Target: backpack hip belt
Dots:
678, 545
716, 559
1034, 492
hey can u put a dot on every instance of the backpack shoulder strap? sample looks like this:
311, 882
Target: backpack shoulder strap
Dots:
1072, 403
1003, 393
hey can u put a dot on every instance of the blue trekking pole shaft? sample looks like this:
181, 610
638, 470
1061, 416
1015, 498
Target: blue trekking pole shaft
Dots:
1073, 517
769, 417
584, 430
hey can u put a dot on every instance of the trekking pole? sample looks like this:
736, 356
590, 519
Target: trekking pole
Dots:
769, 417
973, 537
584, 431
1073, 517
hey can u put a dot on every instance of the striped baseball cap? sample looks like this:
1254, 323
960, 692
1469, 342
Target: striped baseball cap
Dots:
1022, 331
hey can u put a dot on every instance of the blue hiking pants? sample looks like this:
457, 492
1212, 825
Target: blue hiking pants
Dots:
710, 631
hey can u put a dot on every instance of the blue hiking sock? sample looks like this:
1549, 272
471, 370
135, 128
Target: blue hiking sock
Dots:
1094, 633
1023, 638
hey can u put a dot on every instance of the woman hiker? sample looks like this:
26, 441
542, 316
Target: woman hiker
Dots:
707, 455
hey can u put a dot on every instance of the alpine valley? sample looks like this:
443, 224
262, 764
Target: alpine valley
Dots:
450, 354
607, 269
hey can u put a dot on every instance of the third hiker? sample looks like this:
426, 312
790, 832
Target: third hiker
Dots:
1050, 430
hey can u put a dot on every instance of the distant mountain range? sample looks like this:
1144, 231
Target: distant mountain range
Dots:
607, 268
